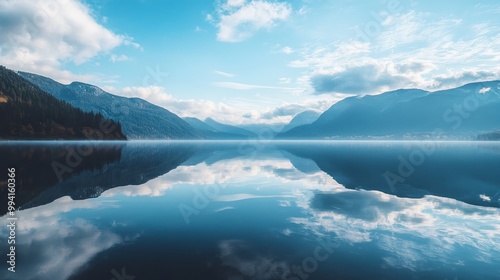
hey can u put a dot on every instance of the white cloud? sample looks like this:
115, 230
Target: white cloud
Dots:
240, 86
408, 50
238, 20
289, 110
303, 10
115, 58
285, 80
183, 107
287, 50
464, 76
209, 18
284, 112
224, 74
330, 56
409, 28
39, 36
229, 112
235, 3
370, 77
128, 41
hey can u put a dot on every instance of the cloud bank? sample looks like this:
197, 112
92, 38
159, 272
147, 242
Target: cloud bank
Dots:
39, 36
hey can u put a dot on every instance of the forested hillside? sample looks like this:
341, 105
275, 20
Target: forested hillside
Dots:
27, 112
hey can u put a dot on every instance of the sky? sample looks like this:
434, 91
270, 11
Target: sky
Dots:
252, 61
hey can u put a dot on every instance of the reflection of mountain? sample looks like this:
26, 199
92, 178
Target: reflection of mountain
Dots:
212, 152
136, 165
463, 173
460, 113
38, 166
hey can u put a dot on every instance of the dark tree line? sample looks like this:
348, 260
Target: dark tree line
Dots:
27, 112
493, 136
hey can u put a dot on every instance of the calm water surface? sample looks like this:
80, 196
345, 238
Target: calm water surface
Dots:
250, 210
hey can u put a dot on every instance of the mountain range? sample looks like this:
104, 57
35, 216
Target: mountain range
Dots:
303, 118
459, 113
139, 118
468, 112
211, 129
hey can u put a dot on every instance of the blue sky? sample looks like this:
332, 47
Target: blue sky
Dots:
255, 60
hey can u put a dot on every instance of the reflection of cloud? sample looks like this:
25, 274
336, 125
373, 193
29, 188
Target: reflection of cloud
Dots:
413, 233
227, 172
224, 209
368, 206
243, 196
285, 203
53, 247
248, 264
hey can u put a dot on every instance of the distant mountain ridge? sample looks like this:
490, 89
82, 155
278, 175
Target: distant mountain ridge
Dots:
230, 129
303, 118
212, 133
139, 118
459, 113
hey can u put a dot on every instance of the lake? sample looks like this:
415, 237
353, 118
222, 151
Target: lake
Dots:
253, 210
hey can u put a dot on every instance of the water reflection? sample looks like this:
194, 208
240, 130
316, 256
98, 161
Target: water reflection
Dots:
50, 245
462, 171
414, 233
84, 170
42, 166
262, 212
